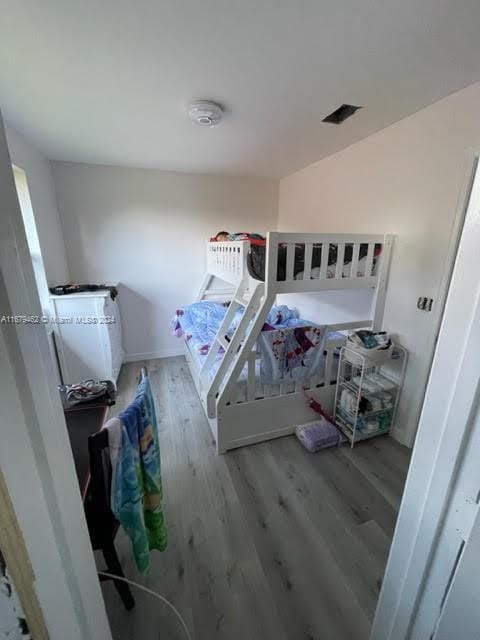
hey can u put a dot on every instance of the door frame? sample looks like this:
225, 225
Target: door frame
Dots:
403, 613
15, 555
35, 454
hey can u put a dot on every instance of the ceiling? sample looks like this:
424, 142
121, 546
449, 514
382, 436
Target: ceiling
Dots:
108, 81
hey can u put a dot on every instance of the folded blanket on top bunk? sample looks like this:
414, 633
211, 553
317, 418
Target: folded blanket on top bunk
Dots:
291, 348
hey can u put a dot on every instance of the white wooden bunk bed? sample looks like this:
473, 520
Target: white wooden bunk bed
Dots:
239, 409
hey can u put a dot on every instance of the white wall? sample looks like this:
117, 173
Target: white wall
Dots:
42, 193
147, 229
404, 180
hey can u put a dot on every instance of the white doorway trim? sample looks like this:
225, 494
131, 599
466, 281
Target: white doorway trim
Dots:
35, 454
403, 612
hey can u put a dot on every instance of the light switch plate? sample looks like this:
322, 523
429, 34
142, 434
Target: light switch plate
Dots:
425, 304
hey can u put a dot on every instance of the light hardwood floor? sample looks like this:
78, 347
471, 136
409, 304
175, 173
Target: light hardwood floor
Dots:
267, 542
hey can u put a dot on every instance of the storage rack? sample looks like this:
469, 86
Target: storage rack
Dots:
368, 390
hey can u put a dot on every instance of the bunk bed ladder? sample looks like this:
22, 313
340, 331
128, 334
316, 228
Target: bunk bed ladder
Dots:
220, 341
254, 312
243, 352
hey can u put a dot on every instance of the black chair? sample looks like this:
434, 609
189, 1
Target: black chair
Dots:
102, 524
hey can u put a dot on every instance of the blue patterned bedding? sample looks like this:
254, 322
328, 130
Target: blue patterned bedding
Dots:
199, 322
291, 348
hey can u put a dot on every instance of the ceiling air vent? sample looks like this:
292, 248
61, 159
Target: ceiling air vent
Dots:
341, 114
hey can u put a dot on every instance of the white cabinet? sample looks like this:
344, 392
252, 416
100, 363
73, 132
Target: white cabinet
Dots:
88, 335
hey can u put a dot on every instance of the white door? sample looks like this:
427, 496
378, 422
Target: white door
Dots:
431, 580
460, 615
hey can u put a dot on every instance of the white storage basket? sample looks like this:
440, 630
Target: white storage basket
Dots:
375, 357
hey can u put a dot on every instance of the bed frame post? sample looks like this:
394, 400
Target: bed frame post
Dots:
378, 304
271, 262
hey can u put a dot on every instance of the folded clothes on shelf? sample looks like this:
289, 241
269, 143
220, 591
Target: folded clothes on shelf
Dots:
374, 383
366, 405
381, 381
364, 423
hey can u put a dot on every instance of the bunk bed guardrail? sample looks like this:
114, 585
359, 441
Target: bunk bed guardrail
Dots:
228, 261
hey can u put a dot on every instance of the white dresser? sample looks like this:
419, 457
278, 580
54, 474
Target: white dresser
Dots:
88, 335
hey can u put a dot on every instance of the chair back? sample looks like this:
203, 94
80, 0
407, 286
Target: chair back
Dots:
102, 524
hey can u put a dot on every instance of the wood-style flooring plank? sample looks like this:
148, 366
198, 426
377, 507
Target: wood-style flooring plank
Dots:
267, 542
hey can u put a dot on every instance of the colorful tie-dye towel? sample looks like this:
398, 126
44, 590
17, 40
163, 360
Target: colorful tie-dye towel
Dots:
137, 484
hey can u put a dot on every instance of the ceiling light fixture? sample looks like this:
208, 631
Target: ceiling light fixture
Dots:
205, 113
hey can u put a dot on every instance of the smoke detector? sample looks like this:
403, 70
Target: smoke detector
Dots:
205, 113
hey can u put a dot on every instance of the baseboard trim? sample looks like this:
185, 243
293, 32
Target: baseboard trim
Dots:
399, 435
153, 355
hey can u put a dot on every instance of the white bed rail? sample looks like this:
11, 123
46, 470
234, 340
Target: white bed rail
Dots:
299, 262
228, 260
346, 272
250, 390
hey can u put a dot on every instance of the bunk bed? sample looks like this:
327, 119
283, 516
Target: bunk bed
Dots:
240, 408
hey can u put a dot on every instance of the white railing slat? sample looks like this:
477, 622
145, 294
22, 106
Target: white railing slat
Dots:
354, 264
271, 258
324, 260
369, 260
290, 262
340, 258
307, 268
